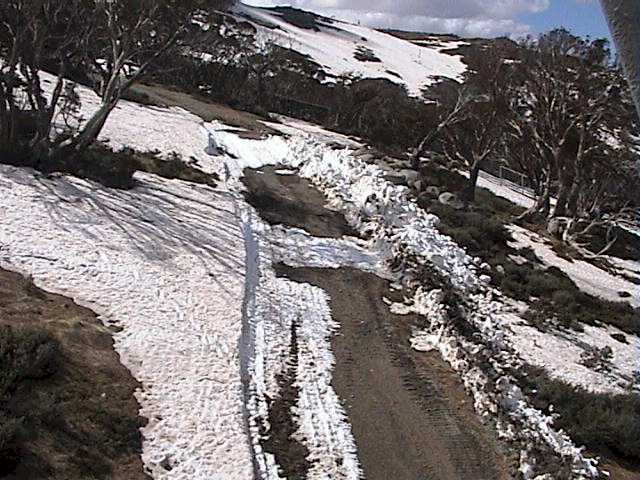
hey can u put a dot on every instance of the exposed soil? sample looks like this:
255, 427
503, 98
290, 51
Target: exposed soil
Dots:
292, 201
80, 420
290, 453
410, 414
201, 106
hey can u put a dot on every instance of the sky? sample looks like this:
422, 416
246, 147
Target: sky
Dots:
486, 18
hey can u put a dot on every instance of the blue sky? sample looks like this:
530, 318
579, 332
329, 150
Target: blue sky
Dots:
584, 18
486, 18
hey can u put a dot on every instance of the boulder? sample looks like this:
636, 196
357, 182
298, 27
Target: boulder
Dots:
411, 176
555, 226
432, 191
450, 199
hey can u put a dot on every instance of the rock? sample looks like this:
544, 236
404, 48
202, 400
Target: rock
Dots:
417, 185
368, 158
166, 463
424, 199
619, 337
450, 199
432, 191
395, 179
555, 226
447, 198
411, 176
500, 269
361, 151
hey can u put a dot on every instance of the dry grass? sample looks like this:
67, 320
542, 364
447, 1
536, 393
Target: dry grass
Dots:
204, 108
67, 409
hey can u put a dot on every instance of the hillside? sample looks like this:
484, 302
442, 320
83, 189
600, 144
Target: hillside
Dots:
341, 48
252, 273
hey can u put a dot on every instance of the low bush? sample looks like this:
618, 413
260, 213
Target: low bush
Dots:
25, 354
554, 299
606, 424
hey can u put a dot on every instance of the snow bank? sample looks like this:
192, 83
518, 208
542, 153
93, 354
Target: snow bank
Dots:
334, 45
403, 232
385, 211
277, 309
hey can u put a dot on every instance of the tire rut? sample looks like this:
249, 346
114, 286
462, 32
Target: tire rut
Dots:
409, 412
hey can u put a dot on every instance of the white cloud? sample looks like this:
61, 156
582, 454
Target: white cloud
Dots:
465, 17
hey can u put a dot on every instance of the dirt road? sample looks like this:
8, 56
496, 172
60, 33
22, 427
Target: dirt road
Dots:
411, 418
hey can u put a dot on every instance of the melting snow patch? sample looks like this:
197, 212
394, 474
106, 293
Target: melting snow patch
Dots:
275, 308
589, 278
407, 234
163, 262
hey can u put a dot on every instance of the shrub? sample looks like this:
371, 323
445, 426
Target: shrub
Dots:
24, 354
557, 299
605, 423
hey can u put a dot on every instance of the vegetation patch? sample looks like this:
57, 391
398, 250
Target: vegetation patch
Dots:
607, 424
115, 169
364, 54
302, 19
554, 299
67, 406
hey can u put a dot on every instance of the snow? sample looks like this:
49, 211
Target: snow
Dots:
277, 307
294, 127
160, 262
408, 235
630, 268
504, 189
334, 46
177, 268
186, 272
560, 354
589, 278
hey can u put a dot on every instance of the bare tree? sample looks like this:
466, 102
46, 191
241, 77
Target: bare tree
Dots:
472, 128
569, 126
450, 114
114, 43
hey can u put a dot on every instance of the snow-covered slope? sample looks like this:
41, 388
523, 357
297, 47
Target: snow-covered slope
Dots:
334, 45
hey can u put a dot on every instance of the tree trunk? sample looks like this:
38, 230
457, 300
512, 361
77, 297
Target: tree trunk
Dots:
542, 206
422, 147
469, 193
88, 135
572, 199
564, 187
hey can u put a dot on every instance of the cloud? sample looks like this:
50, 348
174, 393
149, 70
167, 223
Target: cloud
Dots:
465, 17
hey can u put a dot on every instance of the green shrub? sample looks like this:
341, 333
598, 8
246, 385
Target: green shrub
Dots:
481, 231
24, 354
605, 423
